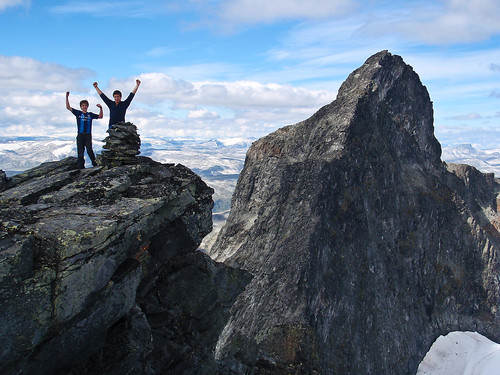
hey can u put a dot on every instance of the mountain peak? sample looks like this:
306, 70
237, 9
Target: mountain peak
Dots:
358, 237
384, 98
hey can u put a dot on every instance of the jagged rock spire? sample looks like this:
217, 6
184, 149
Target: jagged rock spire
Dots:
363, 247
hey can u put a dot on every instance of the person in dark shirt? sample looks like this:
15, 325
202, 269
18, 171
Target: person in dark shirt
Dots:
117, 108
84, 126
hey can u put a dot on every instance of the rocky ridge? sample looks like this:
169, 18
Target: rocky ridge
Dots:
363, 244
99, 271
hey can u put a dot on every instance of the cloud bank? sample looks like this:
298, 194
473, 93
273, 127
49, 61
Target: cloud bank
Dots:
314, 46
4, 4
257, 11
33, 102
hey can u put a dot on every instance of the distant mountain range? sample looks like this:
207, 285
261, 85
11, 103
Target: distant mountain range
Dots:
484, 160
217, 161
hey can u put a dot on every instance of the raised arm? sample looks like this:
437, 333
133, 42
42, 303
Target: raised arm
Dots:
97, 88
137, 84
100, 110
68, 107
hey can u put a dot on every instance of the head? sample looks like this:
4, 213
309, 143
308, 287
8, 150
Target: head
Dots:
117, 95
84, 105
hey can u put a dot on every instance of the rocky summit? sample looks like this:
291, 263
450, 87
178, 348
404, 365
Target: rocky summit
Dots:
363, 245
99, 272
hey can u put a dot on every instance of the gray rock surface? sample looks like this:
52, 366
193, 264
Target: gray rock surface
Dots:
89, 261
364, 247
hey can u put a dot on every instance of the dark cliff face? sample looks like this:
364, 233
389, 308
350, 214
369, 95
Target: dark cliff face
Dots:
99, 272
363, 246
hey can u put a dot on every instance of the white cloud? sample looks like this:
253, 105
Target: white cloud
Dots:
438, 22
4, 4
32, 102
241, 108
160, 51
429, 21
483, 136
475, 116
257, 11
469, 116
165, 106
158, 87
202, 113
246, 94
155, 87
31, 113
464, 21
104, 8
29, 74
456, 65
198, 72
120, 8
32, 96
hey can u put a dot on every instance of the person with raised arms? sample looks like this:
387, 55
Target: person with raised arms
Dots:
84, 128
117, 108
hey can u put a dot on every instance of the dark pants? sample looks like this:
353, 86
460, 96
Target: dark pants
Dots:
84, 141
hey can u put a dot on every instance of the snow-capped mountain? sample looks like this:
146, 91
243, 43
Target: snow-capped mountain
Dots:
217, 161
21, 153
212, 158
484, 160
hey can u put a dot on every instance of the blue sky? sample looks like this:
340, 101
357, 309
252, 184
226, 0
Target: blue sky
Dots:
241, 68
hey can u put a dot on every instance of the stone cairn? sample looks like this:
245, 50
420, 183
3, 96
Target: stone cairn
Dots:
121, 145
3, 180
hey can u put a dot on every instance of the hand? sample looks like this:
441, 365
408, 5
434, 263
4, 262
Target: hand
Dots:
137, 82
95, 84
100, 106
67, 93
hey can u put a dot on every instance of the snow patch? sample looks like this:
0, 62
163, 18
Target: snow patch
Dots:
465, 353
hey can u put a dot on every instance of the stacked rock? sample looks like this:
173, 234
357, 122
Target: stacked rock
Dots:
3, 180
121, 146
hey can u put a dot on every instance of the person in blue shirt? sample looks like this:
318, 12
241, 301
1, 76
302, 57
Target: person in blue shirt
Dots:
84, 126
117, 108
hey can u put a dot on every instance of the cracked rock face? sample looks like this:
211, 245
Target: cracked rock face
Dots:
363, 245
80, 251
